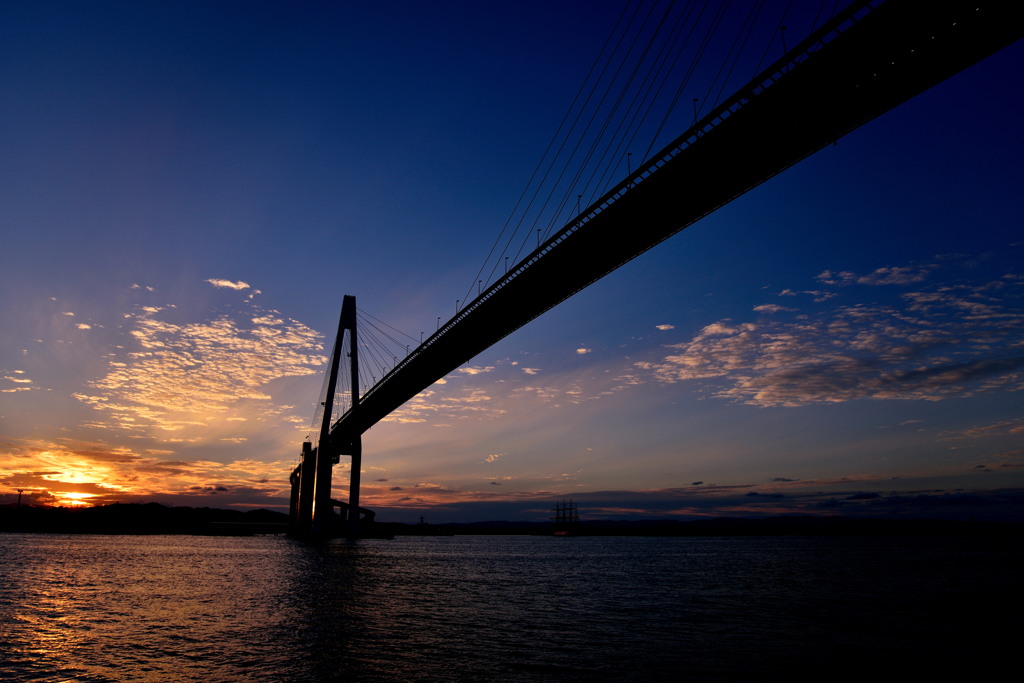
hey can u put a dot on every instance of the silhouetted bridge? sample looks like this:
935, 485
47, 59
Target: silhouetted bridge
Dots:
866, 60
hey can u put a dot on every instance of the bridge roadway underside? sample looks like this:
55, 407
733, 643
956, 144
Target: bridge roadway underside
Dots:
895, 52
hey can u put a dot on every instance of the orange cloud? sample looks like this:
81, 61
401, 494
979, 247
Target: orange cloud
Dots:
99, 473
175, 376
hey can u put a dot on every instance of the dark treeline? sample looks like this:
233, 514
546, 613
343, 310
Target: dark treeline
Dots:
154, 518
138, 518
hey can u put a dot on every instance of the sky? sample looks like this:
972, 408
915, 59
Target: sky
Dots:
188, 189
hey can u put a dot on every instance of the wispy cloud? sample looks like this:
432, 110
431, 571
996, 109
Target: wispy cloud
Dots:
507, 390
1001, 428
772, 308
15, 381
889, 275
453, 403
169, 375
228, 284
933, 343
475, 370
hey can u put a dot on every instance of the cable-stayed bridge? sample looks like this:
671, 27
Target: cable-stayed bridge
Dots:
869, 58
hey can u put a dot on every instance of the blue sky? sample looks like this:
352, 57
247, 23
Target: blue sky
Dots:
188, 189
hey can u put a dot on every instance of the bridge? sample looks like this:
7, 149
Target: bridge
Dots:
866, 60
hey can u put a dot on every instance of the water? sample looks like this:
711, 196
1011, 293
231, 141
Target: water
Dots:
182, 608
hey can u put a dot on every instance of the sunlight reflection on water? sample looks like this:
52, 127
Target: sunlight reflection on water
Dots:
117, 608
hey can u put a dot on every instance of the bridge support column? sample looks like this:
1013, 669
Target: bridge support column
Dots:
323, 514
293, 500
307, 476
322, 518
353, 488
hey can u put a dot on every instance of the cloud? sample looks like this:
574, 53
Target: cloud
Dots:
582, 351
168, 376
63, 470
664, 328
818, 295
476, 370
14, 382
889, 275
493, 457
772, 308
932, 344
454, 403
507, 389
1001, 428
228, 284
490, 391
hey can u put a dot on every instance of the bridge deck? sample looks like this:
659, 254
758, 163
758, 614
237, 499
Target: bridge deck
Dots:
867, 60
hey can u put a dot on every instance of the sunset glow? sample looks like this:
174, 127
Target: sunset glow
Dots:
72, 498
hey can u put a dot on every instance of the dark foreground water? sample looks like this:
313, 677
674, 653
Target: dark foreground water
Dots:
178, 608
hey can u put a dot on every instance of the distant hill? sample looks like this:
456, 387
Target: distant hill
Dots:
154, 518
139, 518
726, 526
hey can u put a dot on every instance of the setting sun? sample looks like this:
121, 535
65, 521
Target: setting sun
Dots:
73, 498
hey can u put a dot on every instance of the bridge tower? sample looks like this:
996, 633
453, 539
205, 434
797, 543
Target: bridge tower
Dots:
312, 508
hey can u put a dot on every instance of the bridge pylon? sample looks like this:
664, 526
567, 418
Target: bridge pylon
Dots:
312, 511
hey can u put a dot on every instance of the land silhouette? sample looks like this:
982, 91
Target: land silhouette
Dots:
155, 518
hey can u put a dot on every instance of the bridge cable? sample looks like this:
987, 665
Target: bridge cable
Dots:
771, 40
694, 62
318, 411
395, 341
395, 329
540, 163
568, 135
372, 348
835, 8
626, 122
735, 53
587, 128
821, 8
742, 36
626, 139
609, 167
626, 119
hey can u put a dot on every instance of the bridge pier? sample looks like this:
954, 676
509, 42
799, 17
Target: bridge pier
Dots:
323, 514
302, 480
312, 510
353, 488
307, 473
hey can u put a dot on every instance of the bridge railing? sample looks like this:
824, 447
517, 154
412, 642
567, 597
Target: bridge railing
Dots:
761, 83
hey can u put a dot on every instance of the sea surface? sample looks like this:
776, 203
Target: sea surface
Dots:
507, 608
